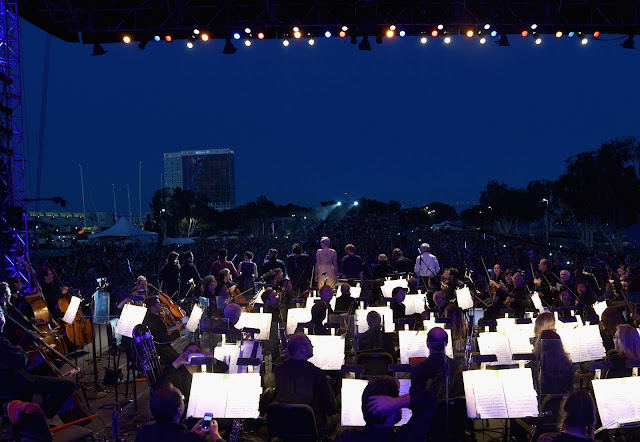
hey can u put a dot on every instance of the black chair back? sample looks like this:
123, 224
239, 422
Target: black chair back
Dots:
375, 364
292, 422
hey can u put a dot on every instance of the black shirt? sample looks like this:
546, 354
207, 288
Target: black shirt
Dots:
170, 278
299, 269
351, 266
344, 304
272, 264
403, 265
381, 270
187, 272
162, 338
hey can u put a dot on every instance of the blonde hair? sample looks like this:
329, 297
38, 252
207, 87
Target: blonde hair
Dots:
544, 321
325, 238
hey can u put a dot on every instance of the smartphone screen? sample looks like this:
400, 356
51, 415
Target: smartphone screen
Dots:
208, 417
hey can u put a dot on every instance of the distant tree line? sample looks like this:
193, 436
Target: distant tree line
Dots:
599, 191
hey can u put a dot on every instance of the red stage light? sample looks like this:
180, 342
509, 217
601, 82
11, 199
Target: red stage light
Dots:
434, 33
260, 35
596, 34
524, 33
167, 37
342, 34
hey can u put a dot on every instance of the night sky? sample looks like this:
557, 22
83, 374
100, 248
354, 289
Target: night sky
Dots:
405, 121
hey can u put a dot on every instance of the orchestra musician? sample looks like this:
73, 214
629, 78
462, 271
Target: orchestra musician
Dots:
497, 275
426, 264
222, 263
543, 280
272, 262
519, 297
351, 264
401, 263
158, 328
170, 275
14, 378
271, 304
51, 291
344, 302
382, 268
18, 301
189, 272
299, 268
141, 290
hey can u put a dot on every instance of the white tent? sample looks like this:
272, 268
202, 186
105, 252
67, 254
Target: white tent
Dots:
178, 241
123, 229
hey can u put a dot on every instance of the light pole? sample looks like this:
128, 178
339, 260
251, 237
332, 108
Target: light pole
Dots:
546, 217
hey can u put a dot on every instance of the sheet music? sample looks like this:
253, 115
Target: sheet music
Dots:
229, 353
328, 352
582, 343
296, 316
194, 319
236, 395
131, 316
388, 286
261, 321
351, 394
500, 394
617, 400
414, 344
505, 324
519, 342
355, 292
465, 300
387, 318
495, 343
600, 307
312, 300
537, 302
70, 314
414, 304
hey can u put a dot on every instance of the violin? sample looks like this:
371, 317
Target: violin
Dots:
80, 331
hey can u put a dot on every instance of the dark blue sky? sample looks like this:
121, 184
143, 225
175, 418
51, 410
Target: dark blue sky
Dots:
405, 121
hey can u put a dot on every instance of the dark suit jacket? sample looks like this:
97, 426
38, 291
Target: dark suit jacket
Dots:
381, 270
299, 269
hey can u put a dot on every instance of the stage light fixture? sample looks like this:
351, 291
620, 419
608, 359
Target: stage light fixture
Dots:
285, 42
311, 41
402, 33
204, 37
339, 203
628, 43
98, 50
583, 39
247, 42
423, 40
537, 39
364, 45
236, 36
190, 44
596, 34
342, 34
434, 33
494, 33
297, 34
524, 33
392, 27
483, 40
196, 31
447, 40
390, 33
247, 30
142, 45
534, 26
503, 40
469, 33
126, 39
296, 29
345, 28
440, 27
558, 34
167, 38
156, 37
571, 34
327, 34
487, 27
355, 203
378, 40
260, 35
229, 48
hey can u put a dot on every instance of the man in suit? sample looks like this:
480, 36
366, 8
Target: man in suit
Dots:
299, 269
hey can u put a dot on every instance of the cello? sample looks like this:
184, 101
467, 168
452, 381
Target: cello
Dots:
172, 312
80, 331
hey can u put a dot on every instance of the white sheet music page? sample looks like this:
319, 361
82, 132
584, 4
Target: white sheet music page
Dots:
414, 304
201, 399
296, 316
519, 343
355, 292
131, 316
328, 352
414, 344
244, 400
385, 312
519, 393
313, 299
494, 343
70, 314
388, 286
194, 319
487, 394
617, 400
582, 343
465, 300
261, 321
537, 302
505, 324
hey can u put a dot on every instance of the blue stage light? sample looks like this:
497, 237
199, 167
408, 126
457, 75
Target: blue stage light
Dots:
401, 34
156, 38
236, 36
494, 33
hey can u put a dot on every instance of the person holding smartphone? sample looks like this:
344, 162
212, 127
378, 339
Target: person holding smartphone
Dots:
167, 406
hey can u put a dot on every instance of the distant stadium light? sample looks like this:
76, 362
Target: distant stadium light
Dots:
571, 34
537, 39
355, 203
285, 42
297, 34
345, 28
296, 29
392, 27
190, 44
628, 43
339, 203
247, 30
534, 26
440, 27
247, 42
126, 39
583, 39
483, 40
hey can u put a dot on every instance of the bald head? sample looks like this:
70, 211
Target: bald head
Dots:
300, 347
437, 340
424, 247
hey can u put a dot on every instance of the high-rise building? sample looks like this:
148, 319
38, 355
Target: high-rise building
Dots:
209, 172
